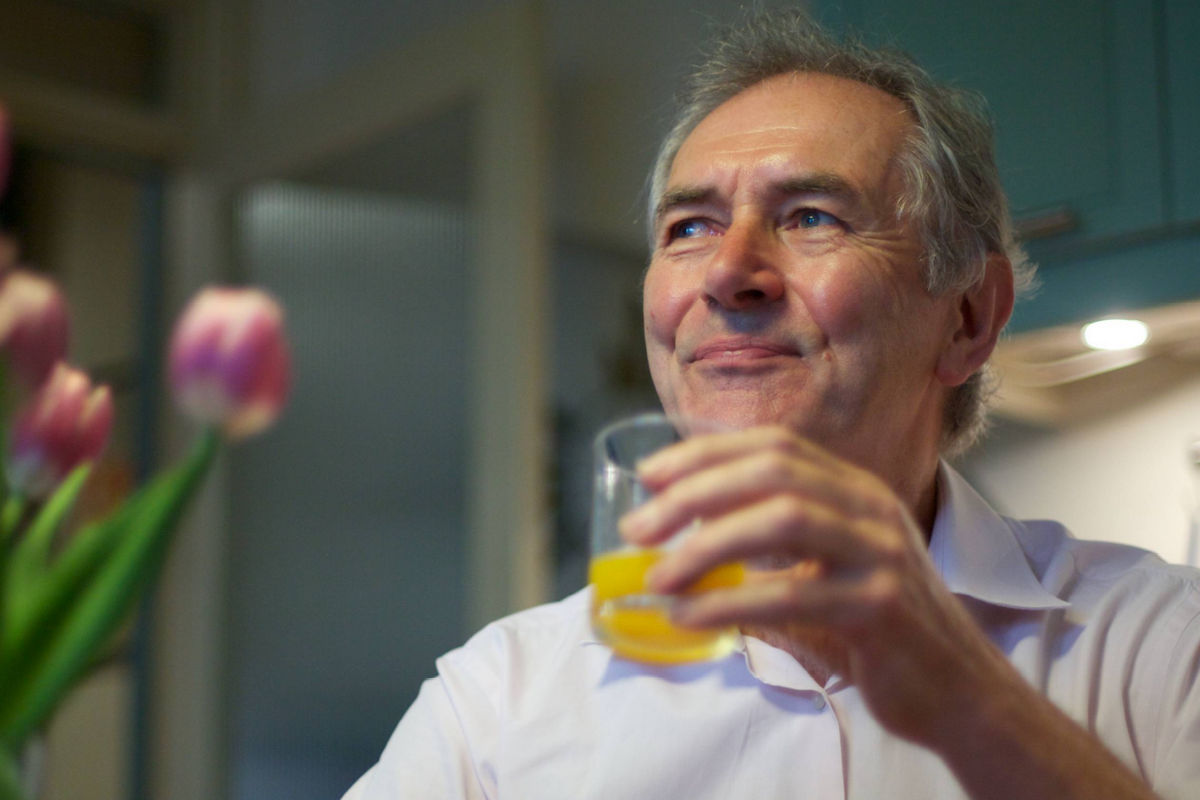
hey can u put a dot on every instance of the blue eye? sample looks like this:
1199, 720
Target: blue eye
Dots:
814, 218
688, 229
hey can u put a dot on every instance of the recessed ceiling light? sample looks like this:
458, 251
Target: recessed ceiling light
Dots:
1115, 334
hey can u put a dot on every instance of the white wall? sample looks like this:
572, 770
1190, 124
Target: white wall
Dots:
1121, 477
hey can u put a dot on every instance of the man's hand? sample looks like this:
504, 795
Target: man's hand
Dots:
844, 557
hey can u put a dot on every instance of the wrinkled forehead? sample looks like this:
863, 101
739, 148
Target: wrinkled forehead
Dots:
797, 124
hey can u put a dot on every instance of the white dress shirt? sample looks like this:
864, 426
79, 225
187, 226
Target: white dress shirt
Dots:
534, 707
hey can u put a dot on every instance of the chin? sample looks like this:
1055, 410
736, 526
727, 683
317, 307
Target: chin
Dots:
734, 412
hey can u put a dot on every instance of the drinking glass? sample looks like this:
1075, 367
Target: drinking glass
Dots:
631, 620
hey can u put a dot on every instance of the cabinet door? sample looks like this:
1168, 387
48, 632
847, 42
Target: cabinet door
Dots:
1072, 85
1182, 31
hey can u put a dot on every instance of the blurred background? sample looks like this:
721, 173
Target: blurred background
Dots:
447, 197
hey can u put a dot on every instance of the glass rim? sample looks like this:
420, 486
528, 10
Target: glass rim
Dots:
644, 419
678, 423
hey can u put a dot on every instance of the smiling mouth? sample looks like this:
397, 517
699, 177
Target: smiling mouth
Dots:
733, 352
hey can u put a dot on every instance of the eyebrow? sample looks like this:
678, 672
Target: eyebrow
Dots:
683, 196
818, 183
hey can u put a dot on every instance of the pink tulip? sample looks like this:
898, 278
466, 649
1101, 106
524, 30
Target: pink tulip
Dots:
33, 325
229, 360
65, 424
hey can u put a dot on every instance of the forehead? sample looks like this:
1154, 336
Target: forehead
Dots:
798, 122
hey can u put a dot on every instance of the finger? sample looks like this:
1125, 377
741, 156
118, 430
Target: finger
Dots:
724, 487
698, 452
783, 526
716, 490
824, 602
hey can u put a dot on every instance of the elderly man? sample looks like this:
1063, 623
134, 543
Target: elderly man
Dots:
832, 264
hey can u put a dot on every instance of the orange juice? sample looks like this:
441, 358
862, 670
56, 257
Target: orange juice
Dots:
637, 624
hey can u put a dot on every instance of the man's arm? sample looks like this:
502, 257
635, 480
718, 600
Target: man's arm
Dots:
1018, 744
926, 670
428, 755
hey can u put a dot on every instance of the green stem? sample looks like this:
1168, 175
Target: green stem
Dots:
10, 777
30, 583
38, 679
10, 517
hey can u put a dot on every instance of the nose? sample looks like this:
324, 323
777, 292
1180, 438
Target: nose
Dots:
741, 275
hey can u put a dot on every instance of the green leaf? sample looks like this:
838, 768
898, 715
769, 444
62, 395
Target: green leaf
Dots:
6, 408
10, 516
37, 610
40, 673
10, 777
31, 555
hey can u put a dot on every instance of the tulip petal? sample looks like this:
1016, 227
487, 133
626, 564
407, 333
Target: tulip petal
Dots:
229, 364
34, 326
65, 424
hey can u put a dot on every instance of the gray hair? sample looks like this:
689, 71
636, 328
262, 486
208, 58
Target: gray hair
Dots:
952, 185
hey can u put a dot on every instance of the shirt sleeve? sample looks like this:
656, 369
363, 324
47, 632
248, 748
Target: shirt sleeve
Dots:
429, 755
1176, 773
458, 732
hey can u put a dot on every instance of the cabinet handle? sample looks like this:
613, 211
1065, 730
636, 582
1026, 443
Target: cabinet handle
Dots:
1046, 223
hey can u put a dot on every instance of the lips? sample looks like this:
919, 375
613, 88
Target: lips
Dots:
741, 349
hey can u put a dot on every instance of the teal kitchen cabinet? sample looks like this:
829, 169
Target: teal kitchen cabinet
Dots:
1097, 109
1072, 85
1182, 35
1157, 265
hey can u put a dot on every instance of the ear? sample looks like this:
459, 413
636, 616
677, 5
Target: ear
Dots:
983, 310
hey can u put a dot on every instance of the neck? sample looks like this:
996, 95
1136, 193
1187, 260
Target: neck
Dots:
925, 503
820, 653
908, 458
912, 475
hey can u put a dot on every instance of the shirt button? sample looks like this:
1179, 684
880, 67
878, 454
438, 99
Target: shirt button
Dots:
818, 702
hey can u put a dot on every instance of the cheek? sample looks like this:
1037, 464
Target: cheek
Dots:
665, 301
664, 304
838, 306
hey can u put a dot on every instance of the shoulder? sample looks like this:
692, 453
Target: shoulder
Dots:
1081, 570
564, 620
529, 640
1052, 549
1127, 593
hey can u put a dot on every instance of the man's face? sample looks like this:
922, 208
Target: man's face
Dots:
783, 288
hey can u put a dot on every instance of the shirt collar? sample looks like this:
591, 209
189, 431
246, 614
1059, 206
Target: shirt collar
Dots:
977, 552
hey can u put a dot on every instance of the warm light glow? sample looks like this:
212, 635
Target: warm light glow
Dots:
1115, 334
